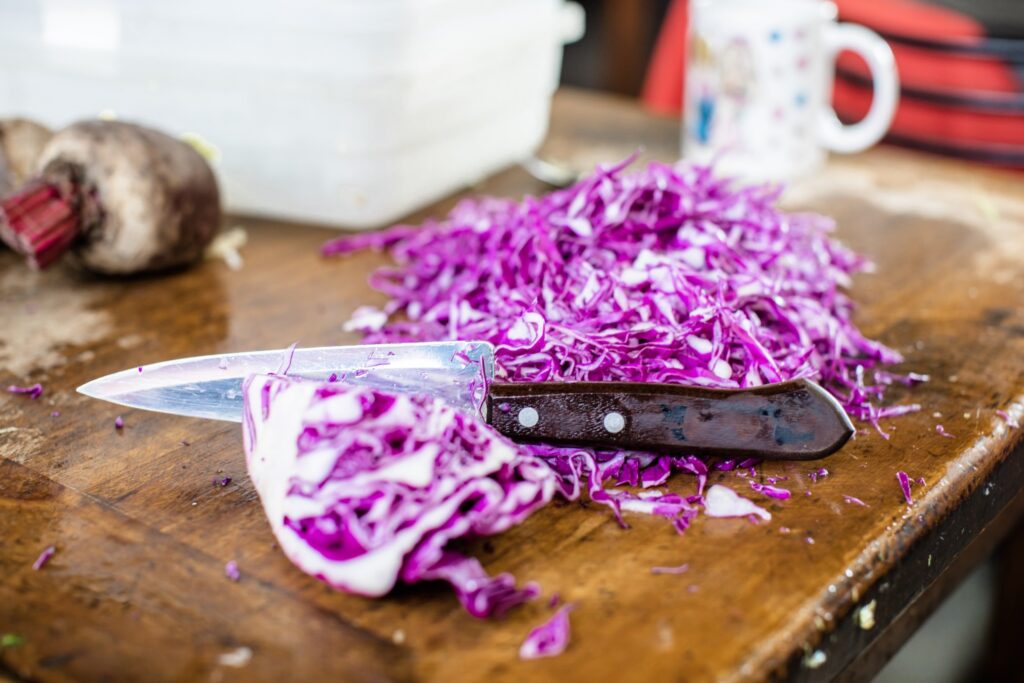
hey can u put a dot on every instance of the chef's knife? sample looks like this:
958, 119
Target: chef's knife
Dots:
790, 420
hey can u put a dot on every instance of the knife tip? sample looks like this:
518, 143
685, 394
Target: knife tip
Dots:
88, 389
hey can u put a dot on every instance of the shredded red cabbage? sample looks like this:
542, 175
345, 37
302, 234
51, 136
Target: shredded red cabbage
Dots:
44, 557
1008, 419
681, 569
364, 488
941, 431
34, 391
852, 500
722, 501
118, 422
665, 274
771, 491
286, 360
231, 570
904, 480
550, 638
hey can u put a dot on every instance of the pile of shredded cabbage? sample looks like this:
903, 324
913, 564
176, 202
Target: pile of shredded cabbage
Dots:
364, 488
665, 274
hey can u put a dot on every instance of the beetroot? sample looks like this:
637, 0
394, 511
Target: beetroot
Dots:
120, 197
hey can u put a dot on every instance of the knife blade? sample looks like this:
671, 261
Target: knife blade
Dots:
788, 420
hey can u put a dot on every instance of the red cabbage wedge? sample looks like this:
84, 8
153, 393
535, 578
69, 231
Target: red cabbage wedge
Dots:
365, 488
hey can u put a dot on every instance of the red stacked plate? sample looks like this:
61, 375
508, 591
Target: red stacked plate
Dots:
962, 84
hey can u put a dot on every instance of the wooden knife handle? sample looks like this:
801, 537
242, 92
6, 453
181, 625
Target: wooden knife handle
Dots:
795, 420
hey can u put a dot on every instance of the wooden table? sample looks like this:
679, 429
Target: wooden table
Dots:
137, 589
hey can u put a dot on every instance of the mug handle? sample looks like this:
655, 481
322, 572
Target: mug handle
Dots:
882, 65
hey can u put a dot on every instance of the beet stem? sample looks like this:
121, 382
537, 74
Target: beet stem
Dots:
39, 222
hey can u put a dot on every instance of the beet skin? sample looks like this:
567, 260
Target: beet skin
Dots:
147, 201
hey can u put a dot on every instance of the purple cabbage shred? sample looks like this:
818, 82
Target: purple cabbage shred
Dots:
722, 501
904, 480
771, 491
286, 359
33, 392
820, 473
44, 557
1008, 419
550, 638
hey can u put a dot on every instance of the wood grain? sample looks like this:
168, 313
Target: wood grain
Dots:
137, 589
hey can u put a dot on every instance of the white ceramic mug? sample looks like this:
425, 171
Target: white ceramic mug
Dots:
759, 82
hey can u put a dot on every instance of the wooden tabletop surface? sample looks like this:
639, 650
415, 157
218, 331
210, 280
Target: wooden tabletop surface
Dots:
137, 591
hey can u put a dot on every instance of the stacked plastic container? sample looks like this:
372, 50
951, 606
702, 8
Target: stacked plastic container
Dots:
346, 112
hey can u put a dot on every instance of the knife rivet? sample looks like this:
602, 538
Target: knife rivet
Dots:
614, 422
528, 417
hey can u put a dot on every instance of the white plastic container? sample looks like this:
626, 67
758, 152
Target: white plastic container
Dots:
346, 112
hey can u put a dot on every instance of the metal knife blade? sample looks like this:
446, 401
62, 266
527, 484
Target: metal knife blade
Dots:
211, 386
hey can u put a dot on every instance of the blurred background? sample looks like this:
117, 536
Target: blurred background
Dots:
960, 62
615, 51
342, 114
